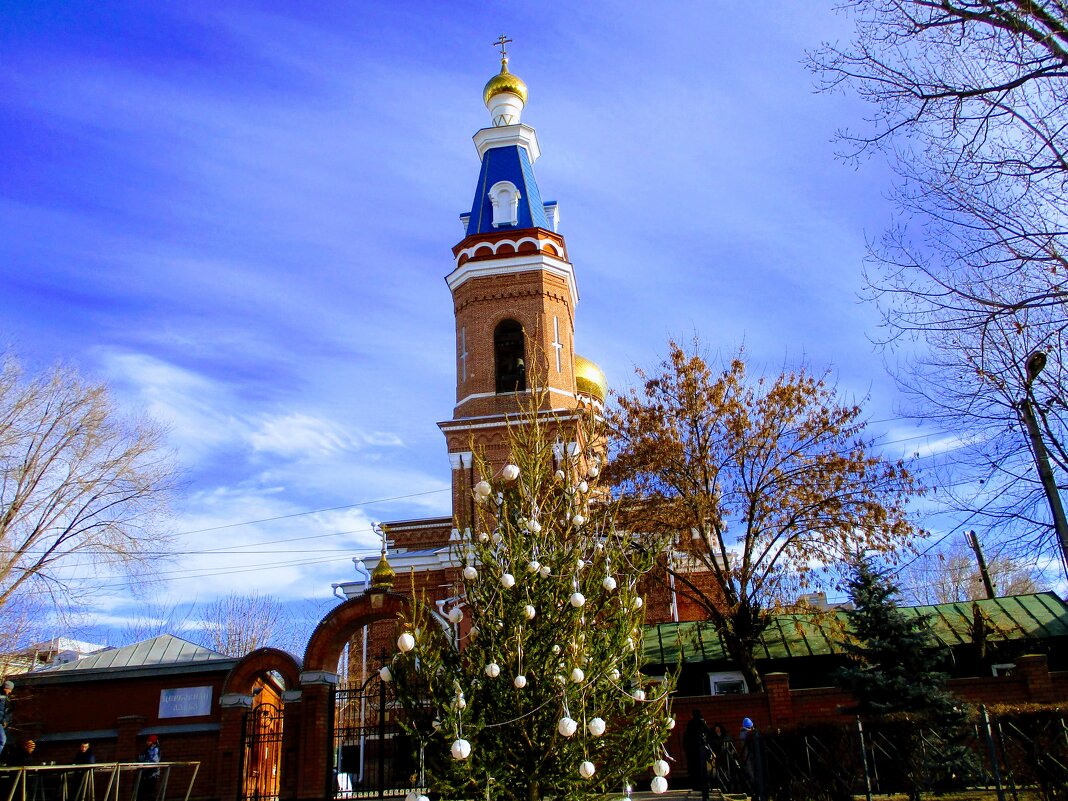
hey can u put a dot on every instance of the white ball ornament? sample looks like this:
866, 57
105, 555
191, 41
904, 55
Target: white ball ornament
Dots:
637, 603
577, 676
533, 566
533, 526
510, 472
578, 520
483, 536
385, 674
456, 614
507, 580
658, 785
596, 727
405, 642
577, 599
670, 723
594, 471
559, 475
639, 694
614, 675
497, 538
661, 767
556, 649
529, 612
579, 564
586, 770
520, 681
483, 490
493, 670
583, 487
567, 727
422, 798
544, 572
461, 750
412, 796
470, 574
473, 633
609, 583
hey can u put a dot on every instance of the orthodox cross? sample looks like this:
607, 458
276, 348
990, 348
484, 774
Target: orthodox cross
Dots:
557, 344
502, 42
463, 351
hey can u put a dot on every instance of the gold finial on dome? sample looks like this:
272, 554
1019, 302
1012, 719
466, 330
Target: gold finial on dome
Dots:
590, 379
383, 574
504, 81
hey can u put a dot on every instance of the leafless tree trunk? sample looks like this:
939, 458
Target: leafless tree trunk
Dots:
82, 489
970, 105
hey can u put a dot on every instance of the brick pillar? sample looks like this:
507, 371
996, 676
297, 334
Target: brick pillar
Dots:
127, 747
228, 777
292, 711
780, 705
1035, 672
315, 771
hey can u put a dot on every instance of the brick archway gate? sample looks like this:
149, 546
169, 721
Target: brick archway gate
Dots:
258, 736
319, 678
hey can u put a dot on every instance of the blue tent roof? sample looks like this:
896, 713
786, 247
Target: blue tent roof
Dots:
508, 163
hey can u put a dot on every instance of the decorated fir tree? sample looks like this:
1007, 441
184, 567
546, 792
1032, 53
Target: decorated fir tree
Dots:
542, 696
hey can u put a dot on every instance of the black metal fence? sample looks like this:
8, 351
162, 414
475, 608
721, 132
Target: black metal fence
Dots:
1011, 757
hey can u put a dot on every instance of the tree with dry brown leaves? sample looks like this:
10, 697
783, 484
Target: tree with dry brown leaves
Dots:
763, 484
82, 488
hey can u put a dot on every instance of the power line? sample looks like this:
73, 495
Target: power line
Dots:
311, 512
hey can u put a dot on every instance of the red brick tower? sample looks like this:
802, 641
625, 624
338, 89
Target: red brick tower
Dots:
514, 296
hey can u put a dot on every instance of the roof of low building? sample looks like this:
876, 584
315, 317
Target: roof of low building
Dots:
163, 654
1017, 617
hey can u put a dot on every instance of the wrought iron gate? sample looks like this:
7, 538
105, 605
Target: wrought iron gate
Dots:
261, 757
373, 755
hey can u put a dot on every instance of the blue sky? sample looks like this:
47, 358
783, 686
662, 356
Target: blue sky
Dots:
240, 216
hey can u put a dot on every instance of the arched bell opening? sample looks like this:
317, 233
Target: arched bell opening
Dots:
509, 351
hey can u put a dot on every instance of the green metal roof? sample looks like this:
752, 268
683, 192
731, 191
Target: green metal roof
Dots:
1016, 617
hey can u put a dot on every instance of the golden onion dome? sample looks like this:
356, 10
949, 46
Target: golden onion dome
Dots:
590, 379
504, 82
382, 576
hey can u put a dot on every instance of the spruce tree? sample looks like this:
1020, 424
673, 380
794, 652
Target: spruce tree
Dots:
896, 660
542, 696
896, 675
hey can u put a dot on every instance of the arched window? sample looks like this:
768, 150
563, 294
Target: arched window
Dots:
510, 357
504, 197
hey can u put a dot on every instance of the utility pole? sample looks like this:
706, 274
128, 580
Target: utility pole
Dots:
1035, 362
978, 549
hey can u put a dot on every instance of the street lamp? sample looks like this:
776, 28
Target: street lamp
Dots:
1035, 362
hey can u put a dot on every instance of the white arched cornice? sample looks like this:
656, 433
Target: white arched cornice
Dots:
513, 265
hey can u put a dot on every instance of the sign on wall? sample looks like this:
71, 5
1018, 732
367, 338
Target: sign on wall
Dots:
185, 702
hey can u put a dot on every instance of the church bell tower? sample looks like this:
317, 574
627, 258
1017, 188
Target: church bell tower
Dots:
514, 295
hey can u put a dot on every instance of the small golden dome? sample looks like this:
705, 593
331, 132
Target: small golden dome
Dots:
504, 82
590, 379
382, 576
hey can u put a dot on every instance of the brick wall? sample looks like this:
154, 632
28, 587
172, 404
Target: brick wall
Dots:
779, 707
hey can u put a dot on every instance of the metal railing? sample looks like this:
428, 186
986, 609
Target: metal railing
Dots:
115, 781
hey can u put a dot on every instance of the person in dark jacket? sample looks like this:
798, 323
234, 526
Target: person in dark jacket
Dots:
695, 744
752, 759
6, 709
84, 755
149, 778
